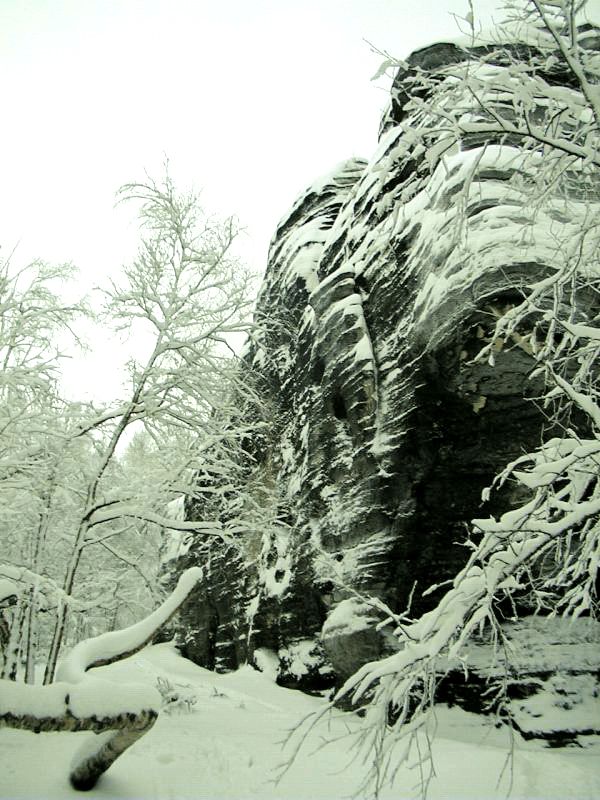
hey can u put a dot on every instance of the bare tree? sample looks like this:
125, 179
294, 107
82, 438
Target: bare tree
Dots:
67, 491
187, 293
36, 327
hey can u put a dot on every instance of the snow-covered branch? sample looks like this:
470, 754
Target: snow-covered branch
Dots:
123, 511
121, 713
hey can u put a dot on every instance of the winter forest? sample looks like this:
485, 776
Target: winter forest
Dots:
326, 525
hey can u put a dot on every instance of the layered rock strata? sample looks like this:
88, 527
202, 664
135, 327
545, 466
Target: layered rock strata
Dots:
384, 281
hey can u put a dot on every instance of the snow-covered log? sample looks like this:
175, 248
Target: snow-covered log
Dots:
121, 714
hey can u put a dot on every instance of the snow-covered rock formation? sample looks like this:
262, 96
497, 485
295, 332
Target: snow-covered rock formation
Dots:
383, 430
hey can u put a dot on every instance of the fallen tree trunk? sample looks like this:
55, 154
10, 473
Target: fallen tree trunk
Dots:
118, 714
89, 765
115, 735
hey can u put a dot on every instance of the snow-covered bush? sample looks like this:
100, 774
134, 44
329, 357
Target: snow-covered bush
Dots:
176, 697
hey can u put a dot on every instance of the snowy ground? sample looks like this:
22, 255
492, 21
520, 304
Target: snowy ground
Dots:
229, 746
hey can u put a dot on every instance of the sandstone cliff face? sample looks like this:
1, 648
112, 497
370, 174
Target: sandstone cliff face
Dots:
383, 430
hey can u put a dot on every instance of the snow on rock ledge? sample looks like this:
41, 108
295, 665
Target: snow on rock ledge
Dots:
384, 432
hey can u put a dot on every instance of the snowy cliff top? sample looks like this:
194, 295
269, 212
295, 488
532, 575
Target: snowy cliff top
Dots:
509, 33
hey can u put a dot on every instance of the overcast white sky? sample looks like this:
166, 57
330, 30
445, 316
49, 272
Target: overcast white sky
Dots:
249, 99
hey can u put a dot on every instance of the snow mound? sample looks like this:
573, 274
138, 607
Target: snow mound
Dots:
231, 747
350, 616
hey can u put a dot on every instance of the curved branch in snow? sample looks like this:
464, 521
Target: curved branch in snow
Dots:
116, 645
109, 512
78, 702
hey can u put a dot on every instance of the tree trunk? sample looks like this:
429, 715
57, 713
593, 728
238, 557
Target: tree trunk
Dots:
13, 651
95, 756
31, 639
61, 613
